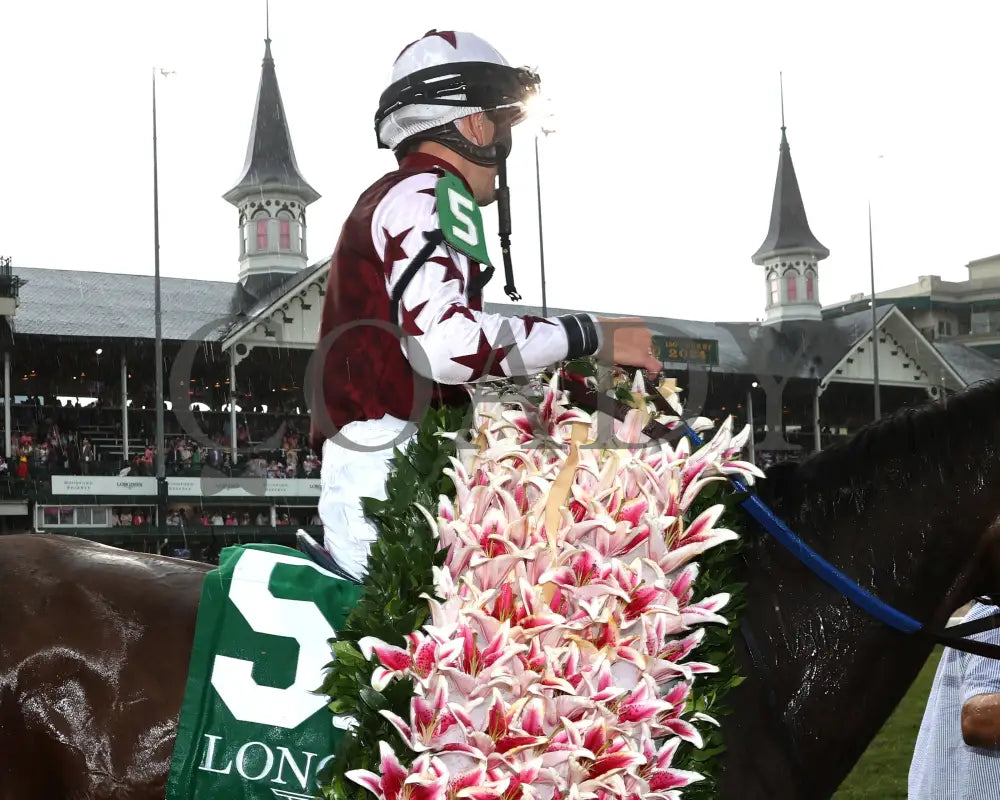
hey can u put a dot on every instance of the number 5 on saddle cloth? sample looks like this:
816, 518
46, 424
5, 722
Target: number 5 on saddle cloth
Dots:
252, 724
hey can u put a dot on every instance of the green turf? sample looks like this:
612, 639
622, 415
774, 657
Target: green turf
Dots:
881, 772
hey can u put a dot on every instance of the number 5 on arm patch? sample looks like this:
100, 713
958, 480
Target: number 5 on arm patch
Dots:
460, 219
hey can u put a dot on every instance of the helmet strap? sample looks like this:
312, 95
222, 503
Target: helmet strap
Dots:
503, 214
488, 156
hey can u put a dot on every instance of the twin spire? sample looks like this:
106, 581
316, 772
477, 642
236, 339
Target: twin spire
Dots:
789, 229
270, 161
271, 193
790, 251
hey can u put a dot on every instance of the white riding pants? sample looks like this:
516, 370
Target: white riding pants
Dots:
356, 464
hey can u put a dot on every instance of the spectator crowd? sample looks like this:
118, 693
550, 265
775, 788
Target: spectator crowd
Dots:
53, 450
55, 441
135, 516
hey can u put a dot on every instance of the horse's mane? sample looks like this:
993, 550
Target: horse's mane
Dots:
936, 446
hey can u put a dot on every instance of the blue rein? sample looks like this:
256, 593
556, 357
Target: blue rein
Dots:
755, 507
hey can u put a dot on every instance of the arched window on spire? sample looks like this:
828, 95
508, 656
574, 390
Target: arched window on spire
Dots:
260, 222
774, 290
287, 232
791, 287
810, 285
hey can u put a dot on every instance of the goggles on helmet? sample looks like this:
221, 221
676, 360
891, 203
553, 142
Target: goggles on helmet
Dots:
472, 84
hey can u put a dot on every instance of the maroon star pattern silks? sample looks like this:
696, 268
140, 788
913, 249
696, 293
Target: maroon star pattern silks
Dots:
451, 270
529, 323
486, 359
458, 308
409, 319
367, 373
448, 36
393, 251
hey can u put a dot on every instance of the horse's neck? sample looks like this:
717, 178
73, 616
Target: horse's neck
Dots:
838, 672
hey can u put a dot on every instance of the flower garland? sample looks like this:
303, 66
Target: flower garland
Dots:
556, 662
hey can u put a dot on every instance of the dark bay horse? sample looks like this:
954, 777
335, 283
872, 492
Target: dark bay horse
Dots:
909, 507
95, 642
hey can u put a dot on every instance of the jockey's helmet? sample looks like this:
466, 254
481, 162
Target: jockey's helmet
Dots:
447, 75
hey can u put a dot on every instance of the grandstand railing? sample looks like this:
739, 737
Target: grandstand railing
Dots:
12, 488
248, 532
9, 282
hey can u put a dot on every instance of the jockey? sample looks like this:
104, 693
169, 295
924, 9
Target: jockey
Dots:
402, 324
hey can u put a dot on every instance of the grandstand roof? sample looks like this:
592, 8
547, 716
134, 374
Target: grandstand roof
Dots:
968, 362
105, 305
109, 305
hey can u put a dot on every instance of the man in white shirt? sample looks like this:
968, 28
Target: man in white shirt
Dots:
957, 755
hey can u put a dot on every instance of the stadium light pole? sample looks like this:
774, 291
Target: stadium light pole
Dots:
540, 111
161, 478
541, 238
871, 268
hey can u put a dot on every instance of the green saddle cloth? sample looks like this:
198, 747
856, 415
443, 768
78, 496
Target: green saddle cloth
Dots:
252, 724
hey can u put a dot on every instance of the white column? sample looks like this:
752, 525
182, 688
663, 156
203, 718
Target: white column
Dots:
232, 406
6, 405
753, 442
125, 410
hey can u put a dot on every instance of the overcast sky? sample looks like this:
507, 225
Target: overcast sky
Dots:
656, 188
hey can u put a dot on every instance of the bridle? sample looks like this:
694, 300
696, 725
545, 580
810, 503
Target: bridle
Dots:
952, 636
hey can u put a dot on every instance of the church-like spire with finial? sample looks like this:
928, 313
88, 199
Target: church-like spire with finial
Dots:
271, 193
270, 157
790, 251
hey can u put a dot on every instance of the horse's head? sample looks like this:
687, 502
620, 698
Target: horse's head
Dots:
909, 508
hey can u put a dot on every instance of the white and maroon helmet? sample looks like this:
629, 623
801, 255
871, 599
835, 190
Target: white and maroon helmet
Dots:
442, 77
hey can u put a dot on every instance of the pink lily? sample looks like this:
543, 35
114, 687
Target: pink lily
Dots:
658, 772
642, 705
682, 555
424, 655
474, 785
675, 649
602, 686
426, 779
682, 586
704, 611
521, 778
431, 719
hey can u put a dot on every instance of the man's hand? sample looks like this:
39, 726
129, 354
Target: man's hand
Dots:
981, 721
628, 342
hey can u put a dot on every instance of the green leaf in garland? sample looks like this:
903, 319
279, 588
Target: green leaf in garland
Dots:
709, 692
372, 699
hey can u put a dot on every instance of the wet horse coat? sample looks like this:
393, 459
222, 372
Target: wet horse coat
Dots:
94, 649
909, 508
